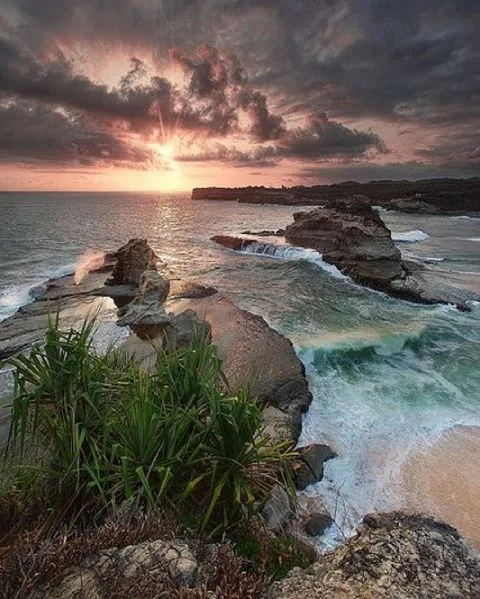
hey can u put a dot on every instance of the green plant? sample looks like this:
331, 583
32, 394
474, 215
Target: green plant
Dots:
109, 433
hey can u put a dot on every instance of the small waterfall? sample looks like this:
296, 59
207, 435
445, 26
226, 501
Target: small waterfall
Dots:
288, 252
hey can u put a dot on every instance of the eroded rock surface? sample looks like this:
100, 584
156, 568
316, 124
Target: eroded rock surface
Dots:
394, 556
171, 559
354, 238
254, 353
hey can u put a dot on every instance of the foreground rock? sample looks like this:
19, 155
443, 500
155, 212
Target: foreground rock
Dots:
394, 556
159, 562
253, 354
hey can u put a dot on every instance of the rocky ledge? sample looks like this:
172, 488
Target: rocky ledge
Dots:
393, 556
354, 238
135, 279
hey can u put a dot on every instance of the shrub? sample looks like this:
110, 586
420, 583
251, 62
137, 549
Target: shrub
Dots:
100, 432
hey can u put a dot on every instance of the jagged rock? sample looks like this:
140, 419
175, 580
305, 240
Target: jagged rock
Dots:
147, 319
356, 240
308, 467
133, 259
353, 237
393, 556
144, 314
316, 524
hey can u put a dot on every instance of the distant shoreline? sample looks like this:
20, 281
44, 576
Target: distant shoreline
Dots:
428, 196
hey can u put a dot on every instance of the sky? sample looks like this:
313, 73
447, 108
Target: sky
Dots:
166, 95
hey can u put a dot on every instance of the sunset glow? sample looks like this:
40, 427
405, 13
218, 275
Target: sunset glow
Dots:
164, 101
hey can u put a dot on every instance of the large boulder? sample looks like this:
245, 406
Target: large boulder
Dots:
353, 238
393, 556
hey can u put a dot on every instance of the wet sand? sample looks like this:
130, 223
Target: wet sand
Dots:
444, 480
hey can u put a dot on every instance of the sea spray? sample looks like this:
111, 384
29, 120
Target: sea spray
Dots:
89, 261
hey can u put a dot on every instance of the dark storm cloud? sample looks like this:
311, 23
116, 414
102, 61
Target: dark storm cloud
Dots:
34, 133
323, 138
265, 125
412, 63
263, 156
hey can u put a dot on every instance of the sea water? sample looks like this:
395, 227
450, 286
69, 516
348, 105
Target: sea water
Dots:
389, 378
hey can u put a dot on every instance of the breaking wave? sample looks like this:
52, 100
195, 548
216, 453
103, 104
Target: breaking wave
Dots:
410, 236
287, 252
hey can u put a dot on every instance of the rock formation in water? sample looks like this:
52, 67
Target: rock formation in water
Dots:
356, 240
393, 556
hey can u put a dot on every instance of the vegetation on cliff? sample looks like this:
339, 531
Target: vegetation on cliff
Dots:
94, 431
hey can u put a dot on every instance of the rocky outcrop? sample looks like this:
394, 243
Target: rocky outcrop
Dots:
253, 353
308, 467
355, 239
393, 556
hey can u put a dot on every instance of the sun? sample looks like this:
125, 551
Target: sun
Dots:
168, 168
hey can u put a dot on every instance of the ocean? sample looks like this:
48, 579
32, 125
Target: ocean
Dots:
396, 385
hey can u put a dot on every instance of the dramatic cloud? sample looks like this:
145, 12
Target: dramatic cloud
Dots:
323, 85
34, 133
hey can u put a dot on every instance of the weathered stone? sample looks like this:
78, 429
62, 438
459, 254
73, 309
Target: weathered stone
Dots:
308, 467
254, 354
78, 583
172, 557
183, 329
399, 557
317, 523
133, 259
314, 456
147, 319
280, 426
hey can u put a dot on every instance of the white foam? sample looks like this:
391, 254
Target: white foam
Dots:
425, 259
12, 298
410, 236
287, 252
476, 239
16, 296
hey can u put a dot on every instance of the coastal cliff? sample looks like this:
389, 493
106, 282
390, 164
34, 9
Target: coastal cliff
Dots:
429, 196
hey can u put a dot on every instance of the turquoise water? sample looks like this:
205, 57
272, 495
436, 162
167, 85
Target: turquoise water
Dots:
388, 377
